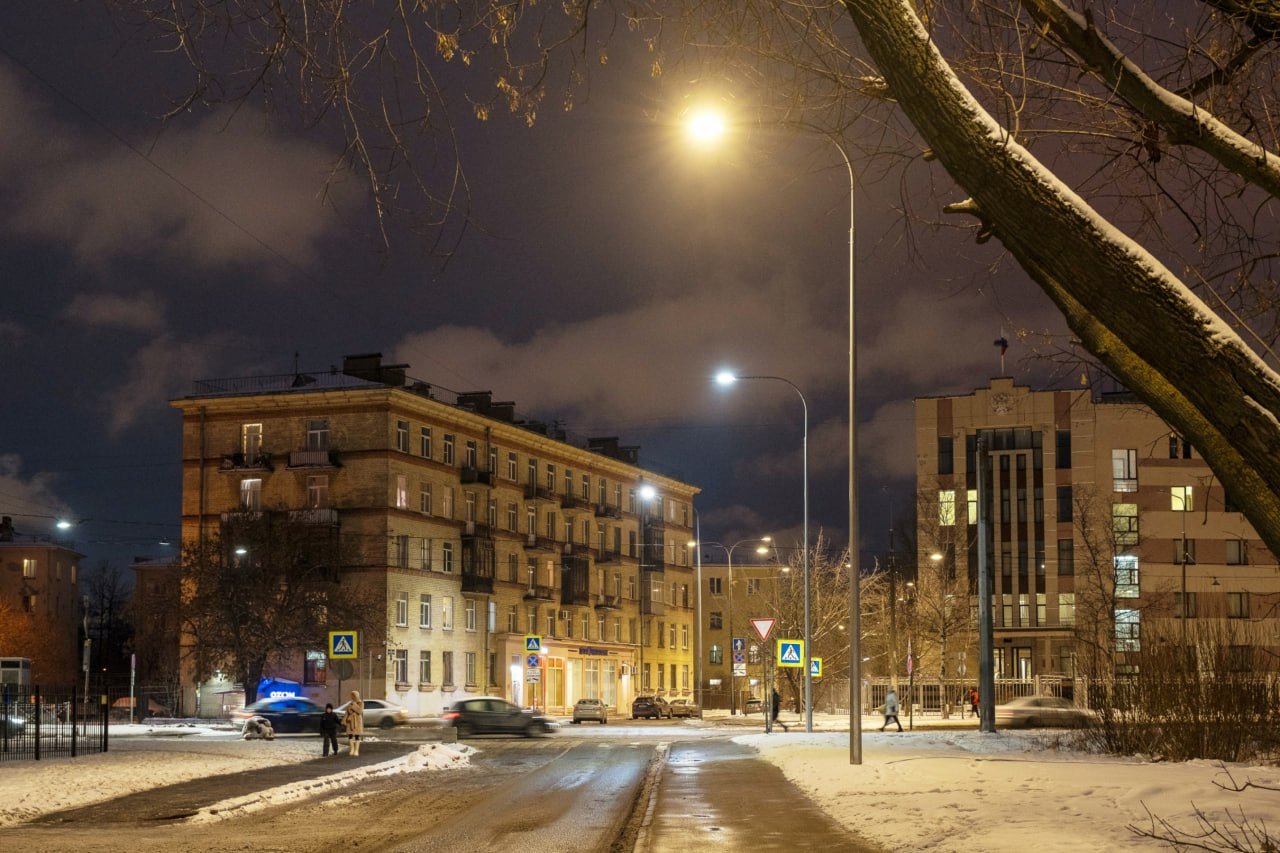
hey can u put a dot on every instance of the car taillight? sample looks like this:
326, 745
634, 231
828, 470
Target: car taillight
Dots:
451, 715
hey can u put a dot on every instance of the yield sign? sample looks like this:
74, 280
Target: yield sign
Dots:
764, 627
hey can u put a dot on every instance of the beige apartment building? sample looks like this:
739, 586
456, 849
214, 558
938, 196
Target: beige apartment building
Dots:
484, 530
40, 578
1081, 479
733, 596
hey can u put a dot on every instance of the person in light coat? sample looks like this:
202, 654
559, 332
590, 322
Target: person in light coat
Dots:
891, 709
353, 722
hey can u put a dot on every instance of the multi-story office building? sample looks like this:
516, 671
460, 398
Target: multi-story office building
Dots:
1095, 502
40, 578
480, 530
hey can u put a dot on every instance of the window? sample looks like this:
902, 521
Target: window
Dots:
446, 612
1179, 447
716, 654
400, 551
662, 633
513, 619
1024, 611
512, 468
1185, 606
684, 637
753, 586
424, 667
424, 612
551, 478
1237, 552
402, 609
402, 491
469, 505
1126, 576
513, 516
1124, 524
402, 666
671, 644
1064, 504
251, 495
714, 585
314, 669
251, 443
424, 442
1240, 658
1181, 499
446, 658
28, 567
586, 625
470, 658
1066, 608
318, 491
946, 456
1124, 470
424, 498
1062, 448
1238, 605
470, 458
402, 436
446, 502
1128, 631
470, 605
446, 557
1040, 608
448, 449
1184, 550
318, 434
426, 554
947, 508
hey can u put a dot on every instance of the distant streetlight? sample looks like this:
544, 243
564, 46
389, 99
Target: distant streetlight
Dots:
241, 551
726, 378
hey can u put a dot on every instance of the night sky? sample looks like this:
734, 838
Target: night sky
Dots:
610, 269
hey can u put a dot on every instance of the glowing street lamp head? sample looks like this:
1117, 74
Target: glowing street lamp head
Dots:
726, 378
648, 493
63, 524
706, 127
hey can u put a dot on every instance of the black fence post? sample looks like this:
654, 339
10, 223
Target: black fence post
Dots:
75, 721
4, 724
36, 701
106, 714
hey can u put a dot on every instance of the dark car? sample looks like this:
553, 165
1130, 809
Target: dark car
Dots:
495, 716
650, 708
294, 714
1042, 711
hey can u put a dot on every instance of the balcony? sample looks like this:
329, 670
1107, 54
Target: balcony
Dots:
476, 530
608, 602
533, 542
471, 474
575, 580
314, 515
604, 555
313, 459
608, 511
237, 462
478, 562
573, 505
242, 516
534, 492
540, 593
653, 607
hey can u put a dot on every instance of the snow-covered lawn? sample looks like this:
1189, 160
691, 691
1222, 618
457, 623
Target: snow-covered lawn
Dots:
1009, 791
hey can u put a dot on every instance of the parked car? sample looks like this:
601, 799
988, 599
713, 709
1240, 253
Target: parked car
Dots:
685, 708
295, 714
591, 709
753, 706
15, 725
650, 708
495, 716
1042, 711
379, 712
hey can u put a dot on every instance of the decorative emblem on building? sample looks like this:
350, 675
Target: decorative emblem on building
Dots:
1001, 403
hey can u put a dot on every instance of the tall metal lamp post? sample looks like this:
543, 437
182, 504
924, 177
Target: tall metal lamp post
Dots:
727, 378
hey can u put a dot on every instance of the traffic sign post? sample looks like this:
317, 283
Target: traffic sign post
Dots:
815, 667
343, 645
764, 627
533, 642
739, 644
791, 653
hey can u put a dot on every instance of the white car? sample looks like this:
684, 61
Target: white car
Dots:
379, 712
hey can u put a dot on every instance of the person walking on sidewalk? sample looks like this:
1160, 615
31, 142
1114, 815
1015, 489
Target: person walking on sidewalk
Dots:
891, 709
329, 723
353, 722
973, 700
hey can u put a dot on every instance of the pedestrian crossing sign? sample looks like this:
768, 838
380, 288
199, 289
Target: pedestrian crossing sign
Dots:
815, 667
533, 642
791, 653
342, 645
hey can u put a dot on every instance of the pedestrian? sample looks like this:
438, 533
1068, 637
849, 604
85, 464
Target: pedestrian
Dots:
353, 722
891, 709
973, 700
777, 705
329, 723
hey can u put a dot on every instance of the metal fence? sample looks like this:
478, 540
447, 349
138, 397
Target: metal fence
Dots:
931, 696
35, 724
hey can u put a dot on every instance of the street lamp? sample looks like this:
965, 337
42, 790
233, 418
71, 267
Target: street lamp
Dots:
726, 378
728, 551
705, 129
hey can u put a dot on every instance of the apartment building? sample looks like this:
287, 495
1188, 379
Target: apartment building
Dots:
1093, 498
732, 597
479, 528
40, 578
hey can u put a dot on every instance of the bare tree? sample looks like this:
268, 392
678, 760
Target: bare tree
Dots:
268, 588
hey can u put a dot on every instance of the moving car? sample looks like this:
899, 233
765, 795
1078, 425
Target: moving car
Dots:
495, 716
650, 708
685, 708
1041, 711
753, 706
591, 709
294, 714
379, 712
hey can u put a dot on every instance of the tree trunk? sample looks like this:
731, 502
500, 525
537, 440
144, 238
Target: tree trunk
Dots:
1130, 312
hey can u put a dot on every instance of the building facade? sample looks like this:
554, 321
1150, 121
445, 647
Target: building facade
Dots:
40, 579
732, 597
479, 529
1095, 503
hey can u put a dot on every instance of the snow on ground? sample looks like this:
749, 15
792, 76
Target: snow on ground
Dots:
1008, 791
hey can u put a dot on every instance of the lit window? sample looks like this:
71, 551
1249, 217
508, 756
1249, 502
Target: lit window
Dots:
1126, 576
1181, 499
1124, 524
947, 508
1124, 470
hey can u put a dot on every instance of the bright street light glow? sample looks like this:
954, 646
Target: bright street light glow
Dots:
726, 377
648, 493
63, 524
706, 127
241, 551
